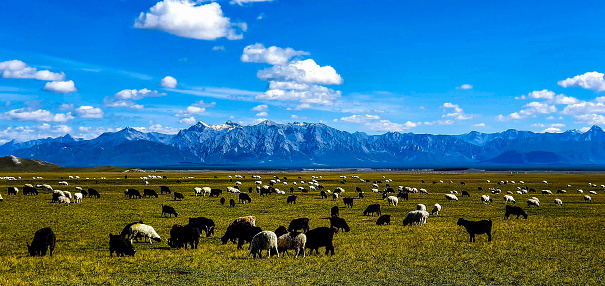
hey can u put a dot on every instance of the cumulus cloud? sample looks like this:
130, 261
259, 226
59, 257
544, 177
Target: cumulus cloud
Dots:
19, 69
29, 114
590, 80
262, 114
304, 93
242, 2
188, 120
302, 71
196, 108
218, 48
465, 86
60, 86
532, 109
373, 122
168, 82
88, 112
128, 97
552, 130
359, 118
590, 119
458, 113
66, 106
187, 19
479, 125
262, 107
26, 133
273, 55
544, 94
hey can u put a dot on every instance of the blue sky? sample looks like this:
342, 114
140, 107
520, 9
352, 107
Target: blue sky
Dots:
441, 67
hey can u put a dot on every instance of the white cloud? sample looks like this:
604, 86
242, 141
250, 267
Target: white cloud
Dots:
163, 129
66, 106
359, 118
584, 107
273, 55
28, 114
26, 133
196, 108
458, 113
262, 114
562, 99
242, 2
479, 125
262, 107
60, 86
93, 132
306, 94
19, 69
590, 80
305, 71
188, 120
538, 125
258, 120
465, 86
127, 98
88, 112
168, 82
218, 48
544, 94
302, 106
558, 125
534, 108
294, 116
552, 130
261, 16
590, 119
440, 122
187, 19
388, 126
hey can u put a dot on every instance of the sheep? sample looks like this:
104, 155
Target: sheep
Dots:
416, 217
558, 202
215, 192
465, 194
402, 195
63, 183
164, 189
533, 203
29, 189
486, 199
587, 199
451, 197
514, 210
323, 195
178, 196
169, 210
264, 240
120, 245
546, 192
139, 229
242, 232
1, 199
63, 200
321, 237
244, 198
339, 223
222, 201
393, 200
250, 220
203, 224
291, 199
13, 191
334, 211
423, 191
182, 235
580, 191
292, 240
592, 192
149, 193
299, 223
93, 193
348, 202
232, 203
78, 197
477, 227
384, 219
44, 239
436, 209
133, 193
374, 208
454, 192
197, 191
334, 196
561, 192
421, 207
508, 199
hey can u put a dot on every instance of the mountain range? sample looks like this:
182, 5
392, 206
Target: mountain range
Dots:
315, 145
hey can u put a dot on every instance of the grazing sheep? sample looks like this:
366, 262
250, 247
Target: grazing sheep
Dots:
393, 200
292, 240
592, 192
13, 191
169, 210
371, 209
587, 199
222, 201
291, 199
321, 237
465, 194
164, 189
182, 235
29, 190
197, 191
78, 197
178, 196
508, 199
44, 239
149, 193
133, 193
120, 245
486, 199
451, 197
580, 191
558, 202
215, 192
299, 223
477, 227
339, 223
421, 207
244, 198
436, 209
1, 199
68, 195
249, 220
137, 230
514, 210
334, 211
423, 191
323, 195
335, 196
242, 232
203, 224
63, 200
403, 195
533, 203
454, 192
561, 192
264, 240
93, 193
348, 202
418, 217
546, 192
384, 219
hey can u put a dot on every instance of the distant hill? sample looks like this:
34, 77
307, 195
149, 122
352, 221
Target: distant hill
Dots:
13, 164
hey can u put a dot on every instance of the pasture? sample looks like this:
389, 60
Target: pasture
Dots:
555, 245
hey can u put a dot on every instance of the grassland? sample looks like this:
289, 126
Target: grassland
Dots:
554, 246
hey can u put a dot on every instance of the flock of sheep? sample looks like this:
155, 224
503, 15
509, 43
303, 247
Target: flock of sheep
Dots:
282, 239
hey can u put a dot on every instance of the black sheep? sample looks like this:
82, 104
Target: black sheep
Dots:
299, 223
44, 239
323, 195
126, 231
281, 230
164, 189
222, 201
149, 193
93, 193
465, 194
334, 211
361, 195
403, 196
339, 223
371, 209
358, 189
204, 224
169, 210
84, 193
182, 235
216, 192
515, 210
384, 219
321, 237
244, 198
232, 203
477, 227
348, 202
243, 232
133, 193
178, 196
12, 191
120, 245
27, 190
291, 199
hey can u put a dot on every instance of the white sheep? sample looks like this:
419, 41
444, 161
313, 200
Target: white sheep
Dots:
486, 199
592, 192
264, 240
393, 200
238, 183
63, 200
580, 191
424, 191
206, 191
68, 194
339, 190
145, 231
587, 199
59, 192
1, 199
451, 197
197, 191
258, 182
546, 192
508, 199
375, 191
335, 196
233, 190
436, 209
63, 183
454, 192
421, 207
558, 202
78, 197
533, 203
292, 240
417, 217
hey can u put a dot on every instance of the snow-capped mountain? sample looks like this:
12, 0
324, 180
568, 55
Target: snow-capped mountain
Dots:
273, 145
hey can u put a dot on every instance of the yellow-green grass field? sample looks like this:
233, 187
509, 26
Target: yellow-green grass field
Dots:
554, 246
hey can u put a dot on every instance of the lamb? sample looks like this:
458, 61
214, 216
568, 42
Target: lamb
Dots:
120, 245
558, 202
244, 198
371, 209
587, 199
421, 207
514, 210
348, 202
339, 223
78, 197
508, 199
477, 227
321, 237
384, 219
169, 210
137, 230
291, 199
486, 199
264, 240
334, 211
149, 193
203, 224
451, 197
393, 200
44, 239
418, 217
436, 209
182, 235
533, 203
292, 240
299, 223
178, 196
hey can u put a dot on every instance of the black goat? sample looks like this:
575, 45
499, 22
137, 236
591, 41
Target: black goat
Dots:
232, 203
371, 209
169, 210
44, 239
334, 211
149, 193
93, 193
323, 195
477, 227
204, 224
133, 193
320, 237
178, 196
291, 199
182, 235
120, 245
515, 210
164, 189
299, 223
244, 198
348, 202
339, 223
243, 232
384, 219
